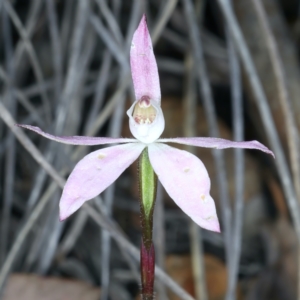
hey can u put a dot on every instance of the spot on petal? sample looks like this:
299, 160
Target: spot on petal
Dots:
209, 218
186, 170
203, 198
132, 45
101, 155
98, 168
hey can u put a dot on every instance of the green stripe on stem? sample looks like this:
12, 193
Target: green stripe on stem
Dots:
148, 185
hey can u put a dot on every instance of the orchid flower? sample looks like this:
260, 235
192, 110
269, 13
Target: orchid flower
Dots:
182, 174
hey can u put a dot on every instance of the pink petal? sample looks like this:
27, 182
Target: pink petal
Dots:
78, 140
209, 142
187, 182
143, 64
94, 173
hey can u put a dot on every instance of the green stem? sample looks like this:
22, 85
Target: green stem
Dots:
148, 185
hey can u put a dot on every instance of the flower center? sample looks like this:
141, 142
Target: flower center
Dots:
144, 112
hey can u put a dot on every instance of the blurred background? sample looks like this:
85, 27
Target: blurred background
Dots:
227, 69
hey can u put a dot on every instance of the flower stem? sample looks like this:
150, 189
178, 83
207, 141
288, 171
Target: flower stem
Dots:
147, 271
148, 185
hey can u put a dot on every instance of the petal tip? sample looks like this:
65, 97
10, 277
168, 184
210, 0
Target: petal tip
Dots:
144, 19
61, 218
143, 25
63, 215
30, 127
268, 151
20, 125
263, 148
217, 229
141, 32
212, 226
65, 208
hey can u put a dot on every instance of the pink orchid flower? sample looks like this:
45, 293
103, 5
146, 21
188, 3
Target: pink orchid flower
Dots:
182, 174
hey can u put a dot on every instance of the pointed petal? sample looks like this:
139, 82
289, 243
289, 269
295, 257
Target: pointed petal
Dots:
94, 173
208, 142
78, 140
143, 64
187, 182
